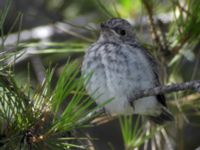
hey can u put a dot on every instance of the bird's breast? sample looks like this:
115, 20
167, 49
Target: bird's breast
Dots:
117, 71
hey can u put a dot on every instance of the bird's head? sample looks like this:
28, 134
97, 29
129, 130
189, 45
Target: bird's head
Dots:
116, 30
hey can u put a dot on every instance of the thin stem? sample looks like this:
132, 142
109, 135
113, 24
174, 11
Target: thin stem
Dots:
149, 10
192, 85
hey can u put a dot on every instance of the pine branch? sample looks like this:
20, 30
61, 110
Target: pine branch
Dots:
149, 9
192, 85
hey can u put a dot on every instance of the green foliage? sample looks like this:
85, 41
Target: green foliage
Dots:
107, 12
189, 21
184, 36
54, 47
128, 8
3, 15
119, 8
44, 118
16, 114
77, 107
134, 134
43, 115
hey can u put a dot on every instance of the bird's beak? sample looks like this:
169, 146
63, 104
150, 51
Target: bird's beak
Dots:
104, 27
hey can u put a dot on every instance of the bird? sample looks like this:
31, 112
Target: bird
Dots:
119, 66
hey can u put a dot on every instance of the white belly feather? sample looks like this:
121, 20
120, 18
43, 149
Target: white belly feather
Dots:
120, 81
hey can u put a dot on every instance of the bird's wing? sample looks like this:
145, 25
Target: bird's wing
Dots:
155, 69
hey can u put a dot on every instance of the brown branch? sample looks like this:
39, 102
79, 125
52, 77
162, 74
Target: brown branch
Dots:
177, 47
149, 7
163, 34
177, 3
192, 85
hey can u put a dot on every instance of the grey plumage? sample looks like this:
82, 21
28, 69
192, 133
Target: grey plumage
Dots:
120, 66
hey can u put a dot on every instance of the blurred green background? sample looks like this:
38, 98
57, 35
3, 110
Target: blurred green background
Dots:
46, 33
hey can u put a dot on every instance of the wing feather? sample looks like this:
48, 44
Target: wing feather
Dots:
155, 69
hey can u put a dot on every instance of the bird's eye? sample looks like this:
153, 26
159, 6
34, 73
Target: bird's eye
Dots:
121, 32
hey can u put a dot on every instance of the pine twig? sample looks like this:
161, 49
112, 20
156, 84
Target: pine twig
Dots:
191, 85
182, 42
149, 10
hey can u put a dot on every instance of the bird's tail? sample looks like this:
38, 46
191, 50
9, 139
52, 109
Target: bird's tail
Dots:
165, 116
